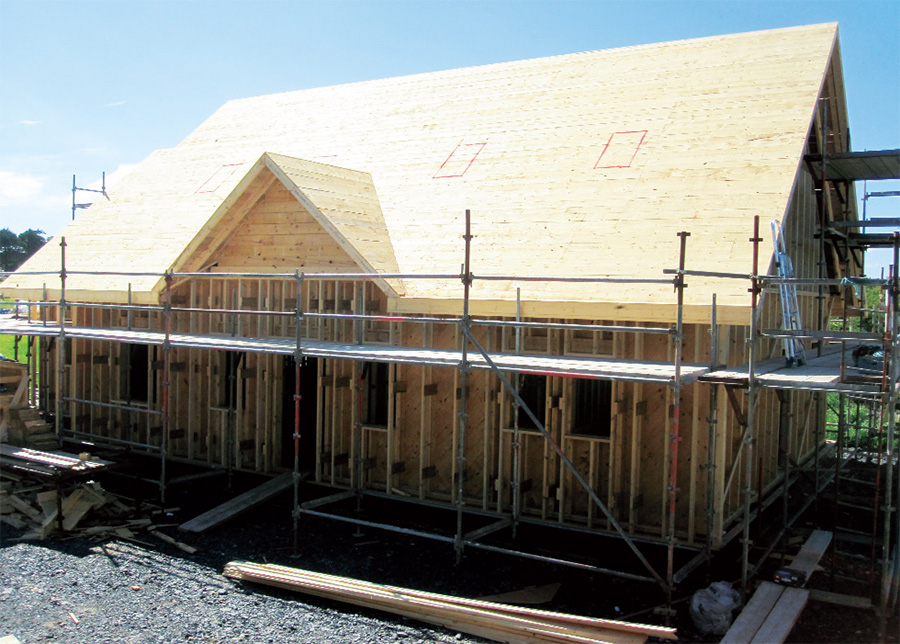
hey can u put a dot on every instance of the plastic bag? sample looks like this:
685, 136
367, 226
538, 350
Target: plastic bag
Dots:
711, 608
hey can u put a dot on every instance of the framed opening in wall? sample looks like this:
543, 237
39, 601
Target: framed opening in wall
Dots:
592, 408
309, 379
375, 376
134, 381
533, 391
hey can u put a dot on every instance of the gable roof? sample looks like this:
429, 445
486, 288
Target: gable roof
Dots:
584, 164
343, 202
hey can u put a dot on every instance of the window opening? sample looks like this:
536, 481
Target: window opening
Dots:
375, 375
592, 408
135, 362
229, 365
533, 391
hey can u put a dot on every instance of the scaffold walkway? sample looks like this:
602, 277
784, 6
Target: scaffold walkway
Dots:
570, 366
820, 373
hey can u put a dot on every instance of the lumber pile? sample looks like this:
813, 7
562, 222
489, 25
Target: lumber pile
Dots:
34, 508
498, 622
87, 511
20, 423
26, 427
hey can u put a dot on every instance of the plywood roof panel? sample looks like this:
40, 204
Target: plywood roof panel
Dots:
724, 123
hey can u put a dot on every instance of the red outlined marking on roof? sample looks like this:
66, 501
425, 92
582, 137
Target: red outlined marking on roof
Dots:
460, 160
218, 178
620, 150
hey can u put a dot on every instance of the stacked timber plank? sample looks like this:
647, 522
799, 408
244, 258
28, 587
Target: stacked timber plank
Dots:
27, 428
21, 424
12, 375
55, 465
490, 620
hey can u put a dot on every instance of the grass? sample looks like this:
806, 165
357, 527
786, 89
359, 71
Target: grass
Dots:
862, 418
8, 342
8, 349
861, 421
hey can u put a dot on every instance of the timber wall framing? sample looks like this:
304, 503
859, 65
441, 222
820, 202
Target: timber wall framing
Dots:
227, 408
414, 454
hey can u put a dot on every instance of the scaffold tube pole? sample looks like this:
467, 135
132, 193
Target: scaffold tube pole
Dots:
567, 462
747, 489
516, 444
167, 351
712, 422
466, 278
61, 349
886, 576
298, 358
675, 435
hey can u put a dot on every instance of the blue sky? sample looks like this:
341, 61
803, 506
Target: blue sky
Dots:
87, 87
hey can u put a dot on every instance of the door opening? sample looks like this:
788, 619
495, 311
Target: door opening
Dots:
309, 376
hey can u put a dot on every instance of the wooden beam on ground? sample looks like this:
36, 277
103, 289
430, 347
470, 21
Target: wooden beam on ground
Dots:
178, 544
811, 552
783, 616
484, 619
232, 508
769, 615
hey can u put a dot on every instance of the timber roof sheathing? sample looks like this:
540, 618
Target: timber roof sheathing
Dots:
343, 202
584, 164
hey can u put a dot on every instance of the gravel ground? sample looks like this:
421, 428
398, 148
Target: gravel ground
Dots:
97, 590
119, 592
106, 590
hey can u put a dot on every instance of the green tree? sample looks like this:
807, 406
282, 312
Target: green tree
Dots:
10, 250
15, 249
31, 241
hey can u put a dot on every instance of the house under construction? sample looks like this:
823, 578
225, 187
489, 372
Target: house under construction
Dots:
590, 291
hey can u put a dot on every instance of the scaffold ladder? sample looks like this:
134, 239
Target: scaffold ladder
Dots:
794, 352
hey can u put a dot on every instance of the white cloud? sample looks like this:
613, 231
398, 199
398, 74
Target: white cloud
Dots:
111, 177
29, 122
26, 203
36, 201
115, 104
18, 188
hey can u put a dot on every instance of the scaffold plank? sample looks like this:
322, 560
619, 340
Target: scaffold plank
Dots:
821, 373
577, 367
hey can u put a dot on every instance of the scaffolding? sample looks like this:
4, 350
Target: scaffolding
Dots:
825, 373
